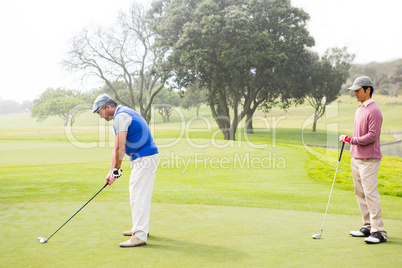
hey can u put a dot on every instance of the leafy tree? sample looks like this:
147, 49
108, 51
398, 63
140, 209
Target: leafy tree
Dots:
165, 101
284, 86
59, 102
193, 97
123, 54
234, 50
328, 74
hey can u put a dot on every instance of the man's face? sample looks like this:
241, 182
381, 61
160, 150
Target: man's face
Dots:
105, 113
361, 95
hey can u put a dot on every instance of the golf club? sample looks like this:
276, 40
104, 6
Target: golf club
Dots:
318, 236
44, 240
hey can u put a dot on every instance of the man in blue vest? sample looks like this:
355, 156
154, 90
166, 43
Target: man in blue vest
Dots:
132, 137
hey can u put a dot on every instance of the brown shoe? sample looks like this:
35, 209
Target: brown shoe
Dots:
129, 233
133, 242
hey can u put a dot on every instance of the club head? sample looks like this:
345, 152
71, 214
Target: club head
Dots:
316, 236
42, 240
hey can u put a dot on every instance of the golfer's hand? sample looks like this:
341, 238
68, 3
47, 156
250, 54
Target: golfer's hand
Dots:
109, 179
344, 138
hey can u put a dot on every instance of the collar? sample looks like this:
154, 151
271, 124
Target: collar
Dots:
366, 103
116, 110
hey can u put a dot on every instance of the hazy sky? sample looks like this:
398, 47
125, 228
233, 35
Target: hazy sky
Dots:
34, 36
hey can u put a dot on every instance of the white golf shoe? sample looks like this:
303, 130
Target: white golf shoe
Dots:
375, 238
363, 232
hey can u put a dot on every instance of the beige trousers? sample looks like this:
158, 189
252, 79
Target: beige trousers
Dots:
141, 185
365, 172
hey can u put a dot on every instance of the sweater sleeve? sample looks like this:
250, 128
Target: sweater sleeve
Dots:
374, 129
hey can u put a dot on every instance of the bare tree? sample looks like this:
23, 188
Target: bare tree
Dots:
125, 52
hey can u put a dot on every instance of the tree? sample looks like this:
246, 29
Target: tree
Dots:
328, 74
125, 53
387, 76
396, 80
59, 102
234, 50
165, 101
26, 106
284, 86
9, 107
193, 96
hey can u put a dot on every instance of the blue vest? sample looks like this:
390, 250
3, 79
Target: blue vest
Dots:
139, 141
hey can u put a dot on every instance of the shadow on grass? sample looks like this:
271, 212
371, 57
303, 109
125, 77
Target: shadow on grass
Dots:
196, 250
394, 241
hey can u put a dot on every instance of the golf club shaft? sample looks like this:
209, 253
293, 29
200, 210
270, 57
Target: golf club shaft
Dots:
79, 210
340, 155
333, 183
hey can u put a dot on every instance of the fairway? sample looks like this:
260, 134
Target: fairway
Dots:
254, 202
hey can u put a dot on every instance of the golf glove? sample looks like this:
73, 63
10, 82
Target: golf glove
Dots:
117, 172
344, 138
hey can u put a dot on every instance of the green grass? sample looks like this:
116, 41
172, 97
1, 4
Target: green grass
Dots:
187, 236
277, 126
250, 203
323, 162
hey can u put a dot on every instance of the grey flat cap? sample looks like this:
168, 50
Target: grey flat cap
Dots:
362, 81
100, 102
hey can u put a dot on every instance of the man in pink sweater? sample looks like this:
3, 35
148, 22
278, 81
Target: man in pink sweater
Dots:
366, 158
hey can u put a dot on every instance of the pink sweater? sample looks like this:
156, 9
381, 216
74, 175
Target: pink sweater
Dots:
366, 132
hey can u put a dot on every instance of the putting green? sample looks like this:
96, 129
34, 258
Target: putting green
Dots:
187, 236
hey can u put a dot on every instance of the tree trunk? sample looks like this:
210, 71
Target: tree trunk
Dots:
319, 112
147, 111
226, 134
148, 118
315, 120
249, 123
249, 117
72, 121
168, 112
232, 132
161, 112
66, 119
314, 126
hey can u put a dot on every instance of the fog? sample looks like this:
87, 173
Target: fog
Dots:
35, 35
